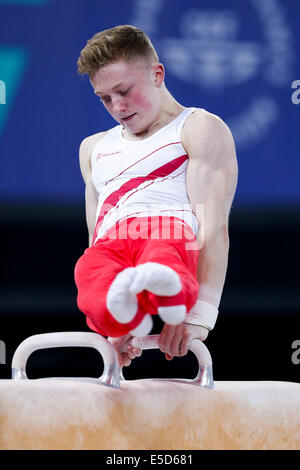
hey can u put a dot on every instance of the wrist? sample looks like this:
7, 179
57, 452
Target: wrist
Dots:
202, 314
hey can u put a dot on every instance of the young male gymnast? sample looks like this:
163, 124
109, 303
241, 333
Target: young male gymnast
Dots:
159, 188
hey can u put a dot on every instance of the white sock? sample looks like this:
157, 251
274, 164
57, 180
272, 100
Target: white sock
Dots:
144, 328
172, 315
156, 278
121, 303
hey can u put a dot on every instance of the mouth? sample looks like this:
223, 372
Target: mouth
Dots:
128, 118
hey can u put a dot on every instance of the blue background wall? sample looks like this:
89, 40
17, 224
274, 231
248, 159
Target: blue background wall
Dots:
236, 59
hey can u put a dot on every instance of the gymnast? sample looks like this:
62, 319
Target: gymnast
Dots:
159, 188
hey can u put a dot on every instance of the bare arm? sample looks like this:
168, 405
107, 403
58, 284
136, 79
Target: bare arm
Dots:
91, 196
211, 183
91, 202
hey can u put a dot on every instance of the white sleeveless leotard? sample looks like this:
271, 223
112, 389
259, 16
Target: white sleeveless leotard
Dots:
141, 178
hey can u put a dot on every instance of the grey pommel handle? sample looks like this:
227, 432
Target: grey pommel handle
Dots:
204, 376
110, 374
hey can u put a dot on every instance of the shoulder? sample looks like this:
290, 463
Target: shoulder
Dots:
205, 126
86, 150
206, 137
89, 142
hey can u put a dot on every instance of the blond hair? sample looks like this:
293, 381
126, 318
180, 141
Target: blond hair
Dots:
121, 42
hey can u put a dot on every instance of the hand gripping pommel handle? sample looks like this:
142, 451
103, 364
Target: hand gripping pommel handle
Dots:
110, 374
204, 376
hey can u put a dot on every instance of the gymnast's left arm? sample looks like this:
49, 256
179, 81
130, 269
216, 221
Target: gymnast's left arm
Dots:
211, 183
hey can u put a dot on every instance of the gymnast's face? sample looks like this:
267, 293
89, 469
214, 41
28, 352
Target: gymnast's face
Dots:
130, 91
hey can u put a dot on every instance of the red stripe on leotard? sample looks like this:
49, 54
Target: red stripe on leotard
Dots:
140, 160
113, 198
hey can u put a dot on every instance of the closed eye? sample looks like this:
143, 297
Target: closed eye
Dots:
125, 92
105, 99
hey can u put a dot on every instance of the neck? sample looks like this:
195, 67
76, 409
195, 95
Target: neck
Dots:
169, 106
168, 110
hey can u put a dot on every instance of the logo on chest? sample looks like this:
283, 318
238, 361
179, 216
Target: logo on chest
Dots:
108, 154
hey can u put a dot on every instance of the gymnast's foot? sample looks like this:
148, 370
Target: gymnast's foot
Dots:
160, 280
154, 277
144, 328
123, 304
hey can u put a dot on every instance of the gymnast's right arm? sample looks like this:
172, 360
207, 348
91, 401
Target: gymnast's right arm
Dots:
91, 202
91, 196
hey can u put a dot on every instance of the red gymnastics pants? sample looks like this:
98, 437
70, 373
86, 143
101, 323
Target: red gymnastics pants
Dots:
160, 239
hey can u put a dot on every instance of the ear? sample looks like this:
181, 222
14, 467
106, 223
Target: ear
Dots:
159, 74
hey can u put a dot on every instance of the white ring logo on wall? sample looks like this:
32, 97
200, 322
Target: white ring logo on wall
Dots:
209, 55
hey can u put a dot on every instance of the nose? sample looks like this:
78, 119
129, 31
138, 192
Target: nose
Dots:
119, 105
